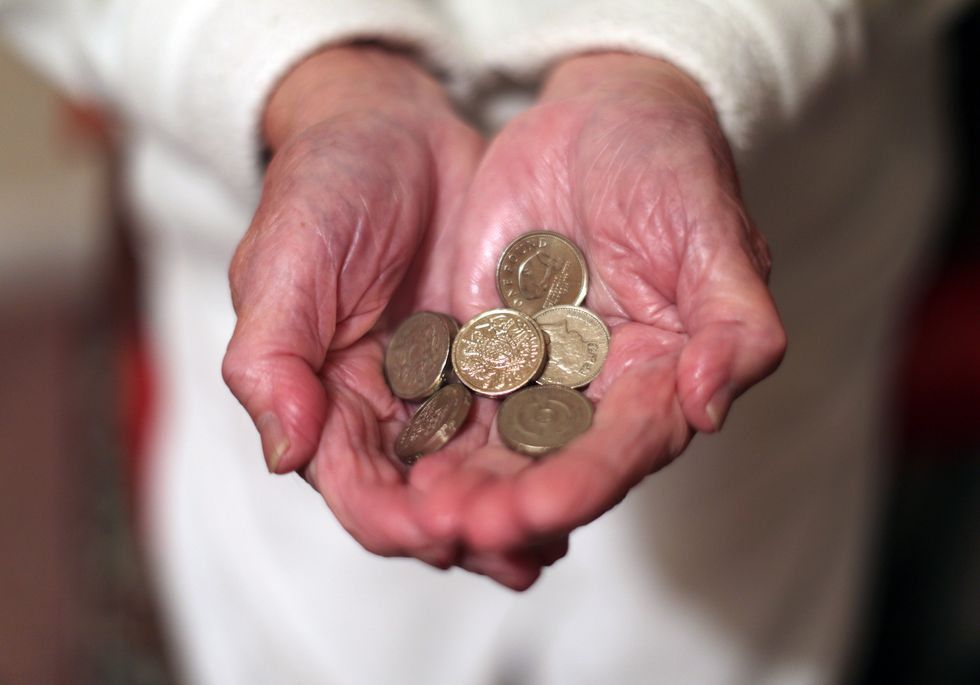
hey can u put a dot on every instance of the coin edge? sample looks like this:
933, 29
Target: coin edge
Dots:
416, 455
438, 383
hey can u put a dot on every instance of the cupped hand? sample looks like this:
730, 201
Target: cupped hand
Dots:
623, 154
368, 165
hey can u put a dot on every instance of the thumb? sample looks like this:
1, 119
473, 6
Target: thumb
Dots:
272, 364
284, 397
737, 338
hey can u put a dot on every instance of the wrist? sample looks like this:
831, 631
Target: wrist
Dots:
600, 73
346, 80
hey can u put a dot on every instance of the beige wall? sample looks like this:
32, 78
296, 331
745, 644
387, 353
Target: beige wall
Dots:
52, 192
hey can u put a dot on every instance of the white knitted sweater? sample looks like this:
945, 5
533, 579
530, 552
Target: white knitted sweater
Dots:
200, 70
741, 563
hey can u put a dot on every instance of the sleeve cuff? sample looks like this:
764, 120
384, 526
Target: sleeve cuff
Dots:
207, 84
757, 61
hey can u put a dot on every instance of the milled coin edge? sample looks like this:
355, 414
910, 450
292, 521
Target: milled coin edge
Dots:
436, 383
440, 438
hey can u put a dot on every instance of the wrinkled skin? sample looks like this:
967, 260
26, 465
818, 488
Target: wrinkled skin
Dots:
380, 202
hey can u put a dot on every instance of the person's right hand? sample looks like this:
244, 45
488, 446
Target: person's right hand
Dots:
624, 154
369, 162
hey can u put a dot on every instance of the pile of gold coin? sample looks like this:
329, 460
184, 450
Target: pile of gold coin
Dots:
541, 336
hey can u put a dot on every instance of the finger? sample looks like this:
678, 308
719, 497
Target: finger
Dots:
552, 552
444, 503
440, 556
371, 501
446, 480
271, 367
638, 427
362, 486
737, 338
517, 570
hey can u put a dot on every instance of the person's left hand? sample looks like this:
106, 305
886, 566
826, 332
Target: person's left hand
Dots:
625, 155
353, 232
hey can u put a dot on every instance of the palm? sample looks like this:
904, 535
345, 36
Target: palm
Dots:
370, 215
364, 488
352, 225
634, 195
377, 250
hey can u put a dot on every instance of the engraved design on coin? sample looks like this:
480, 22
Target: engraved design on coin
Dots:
498, 352
541, 419
434, 424
417, 356
578, 342
539, 270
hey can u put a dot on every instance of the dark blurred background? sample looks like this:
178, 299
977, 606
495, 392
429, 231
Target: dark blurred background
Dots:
925, 623
75, 601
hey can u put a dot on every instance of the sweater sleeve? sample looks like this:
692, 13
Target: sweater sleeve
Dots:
200, 71
758, 60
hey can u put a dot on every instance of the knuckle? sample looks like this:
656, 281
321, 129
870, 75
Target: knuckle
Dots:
772, 342
230, 370
380, 547
237, 371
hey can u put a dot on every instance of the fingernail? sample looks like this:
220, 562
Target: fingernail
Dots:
274, 440
309, 474
719, 405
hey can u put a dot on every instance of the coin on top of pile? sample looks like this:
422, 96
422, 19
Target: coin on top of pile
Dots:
417, 359
541, 269
543, 418
498, 351
434, 424
578, 342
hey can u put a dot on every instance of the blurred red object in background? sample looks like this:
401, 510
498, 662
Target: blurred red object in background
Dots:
939, 377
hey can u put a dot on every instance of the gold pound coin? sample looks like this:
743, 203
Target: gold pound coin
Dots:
539, 270
578, 342
434, 424
543, 418
451, 324
498, 351
416, 361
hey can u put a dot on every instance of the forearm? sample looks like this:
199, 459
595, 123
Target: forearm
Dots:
585, 72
